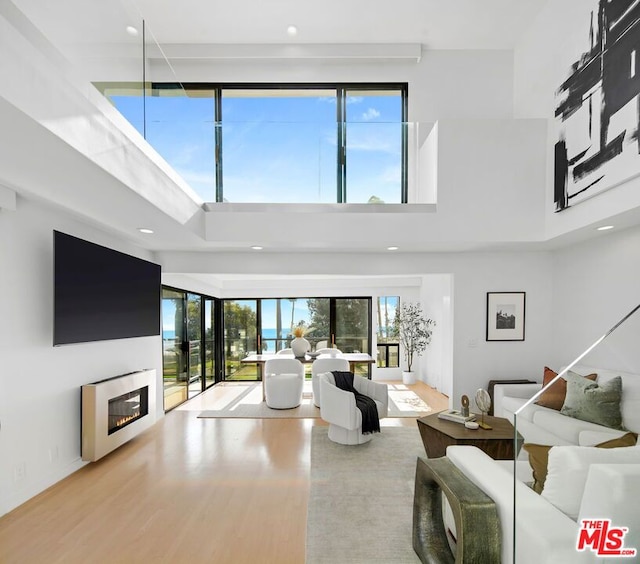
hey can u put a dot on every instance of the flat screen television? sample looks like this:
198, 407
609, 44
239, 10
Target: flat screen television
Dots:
102, 294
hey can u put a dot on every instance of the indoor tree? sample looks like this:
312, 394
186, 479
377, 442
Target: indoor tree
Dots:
414, 330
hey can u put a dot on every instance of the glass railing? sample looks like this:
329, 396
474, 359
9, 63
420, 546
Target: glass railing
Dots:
251, 156
577, 477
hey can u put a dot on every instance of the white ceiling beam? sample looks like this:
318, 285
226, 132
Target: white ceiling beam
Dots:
335, 51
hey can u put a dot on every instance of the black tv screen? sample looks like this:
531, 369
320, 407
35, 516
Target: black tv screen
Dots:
102, 294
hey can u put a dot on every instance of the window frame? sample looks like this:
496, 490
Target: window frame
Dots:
342, 89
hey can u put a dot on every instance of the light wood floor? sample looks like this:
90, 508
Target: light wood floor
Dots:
187, 490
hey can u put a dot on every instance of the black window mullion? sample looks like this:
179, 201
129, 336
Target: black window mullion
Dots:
218, 344
341, 157
218, 143
404, 196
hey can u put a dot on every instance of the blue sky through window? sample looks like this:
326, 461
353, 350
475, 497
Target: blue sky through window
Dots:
278, 145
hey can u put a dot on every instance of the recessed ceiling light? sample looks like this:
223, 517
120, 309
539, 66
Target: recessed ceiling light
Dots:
132, 31
145, 230
292, 30
257, 247
605, 228
392, 248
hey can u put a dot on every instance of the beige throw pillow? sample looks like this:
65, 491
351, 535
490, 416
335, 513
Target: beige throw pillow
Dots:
539, 457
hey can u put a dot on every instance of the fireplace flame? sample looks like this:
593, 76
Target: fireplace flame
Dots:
123, 420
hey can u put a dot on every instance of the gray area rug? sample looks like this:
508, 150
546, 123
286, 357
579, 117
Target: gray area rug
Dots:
361, 499
245, 401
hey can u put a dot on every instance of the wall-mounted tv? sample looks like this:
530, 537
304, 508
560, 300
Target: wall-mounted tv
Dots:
102, 294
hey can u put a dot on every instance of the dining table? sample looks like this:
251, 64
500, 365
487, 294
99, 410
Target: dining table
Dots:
353, 358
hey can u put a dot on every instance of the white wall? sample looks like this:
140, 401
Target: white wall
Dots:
594, 285
542, 61
40, 384
491, 180
444, 84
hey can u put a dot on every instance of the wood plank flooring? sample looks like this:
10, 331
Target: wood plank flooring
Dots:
187, 490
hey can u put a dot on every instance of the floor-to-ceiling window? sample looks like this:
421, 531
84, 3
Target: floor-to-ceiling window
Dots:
387, 333
210, 353
319, 143
188, 345
174, 347
205, 339
352, 322
194, 341
266, 325
240, 338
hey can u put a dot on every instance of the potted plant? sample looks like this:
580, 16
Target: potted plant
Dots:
299, 345
414, 331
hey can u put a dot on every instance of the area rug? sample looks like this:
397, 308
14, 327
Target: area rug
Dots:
361, 500
242, 400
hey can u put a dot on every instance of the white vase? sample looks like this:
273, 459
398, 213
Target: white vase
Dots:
299, 346
408, 377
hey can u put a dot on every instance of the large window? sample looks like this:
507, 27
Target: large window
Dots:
317, 143
205, 339
188, 345
387, 333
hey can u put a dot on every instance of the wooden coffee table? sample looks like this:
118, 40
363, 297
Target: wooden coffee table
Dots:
437, 434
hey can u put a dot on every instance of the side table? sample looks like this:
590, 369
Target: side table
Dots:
499, 442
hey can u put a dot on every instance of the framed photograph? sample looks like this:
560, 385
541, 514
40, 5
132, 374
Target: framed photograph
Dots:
505, 316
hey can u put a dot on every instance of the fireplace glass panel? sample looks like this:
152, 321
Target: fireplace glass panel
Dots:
127, 408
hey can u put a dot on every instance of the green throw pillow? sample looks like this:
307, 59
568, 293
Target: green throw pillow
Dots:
596, 403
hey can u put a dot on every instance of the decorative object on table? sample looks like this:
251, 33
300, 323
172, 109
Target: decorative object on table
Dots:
299, 345
456, 416
464, 401
414, 331
483, 401
471, 425
505, 316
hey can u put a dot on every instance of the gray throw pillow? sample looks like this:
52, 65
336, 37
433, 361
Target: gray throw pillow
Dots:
597, 403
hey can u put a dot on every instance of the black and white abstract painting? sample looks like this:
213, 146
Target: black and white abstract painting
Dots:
597, 107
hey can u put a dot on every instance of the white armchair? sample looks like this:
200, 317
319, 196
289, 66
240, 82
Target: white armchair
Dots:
338, 408
329, 350
321, 365
284, 380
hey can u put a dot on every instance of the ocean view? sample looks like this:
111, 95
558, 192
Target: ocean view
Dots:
267, 334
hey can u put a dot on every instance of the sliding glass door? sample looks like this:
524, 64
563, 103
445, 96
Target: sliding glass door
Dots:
352, 327
210, 353
240, 338
194, 333
174, 347
188, 345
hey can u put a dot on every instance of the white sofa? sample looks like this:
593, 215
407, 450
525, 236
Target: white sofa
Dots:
583, 481
543, 533
546, 426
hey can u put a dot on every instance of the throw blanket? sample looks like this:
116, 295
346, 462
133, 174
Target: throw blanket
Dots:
366, 405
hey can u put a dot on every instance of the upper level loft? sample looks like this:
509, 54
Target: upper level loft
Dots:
278, 143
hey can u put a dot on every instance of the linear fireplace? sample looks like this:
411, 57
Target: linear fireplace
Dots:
127, 408
116, 410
